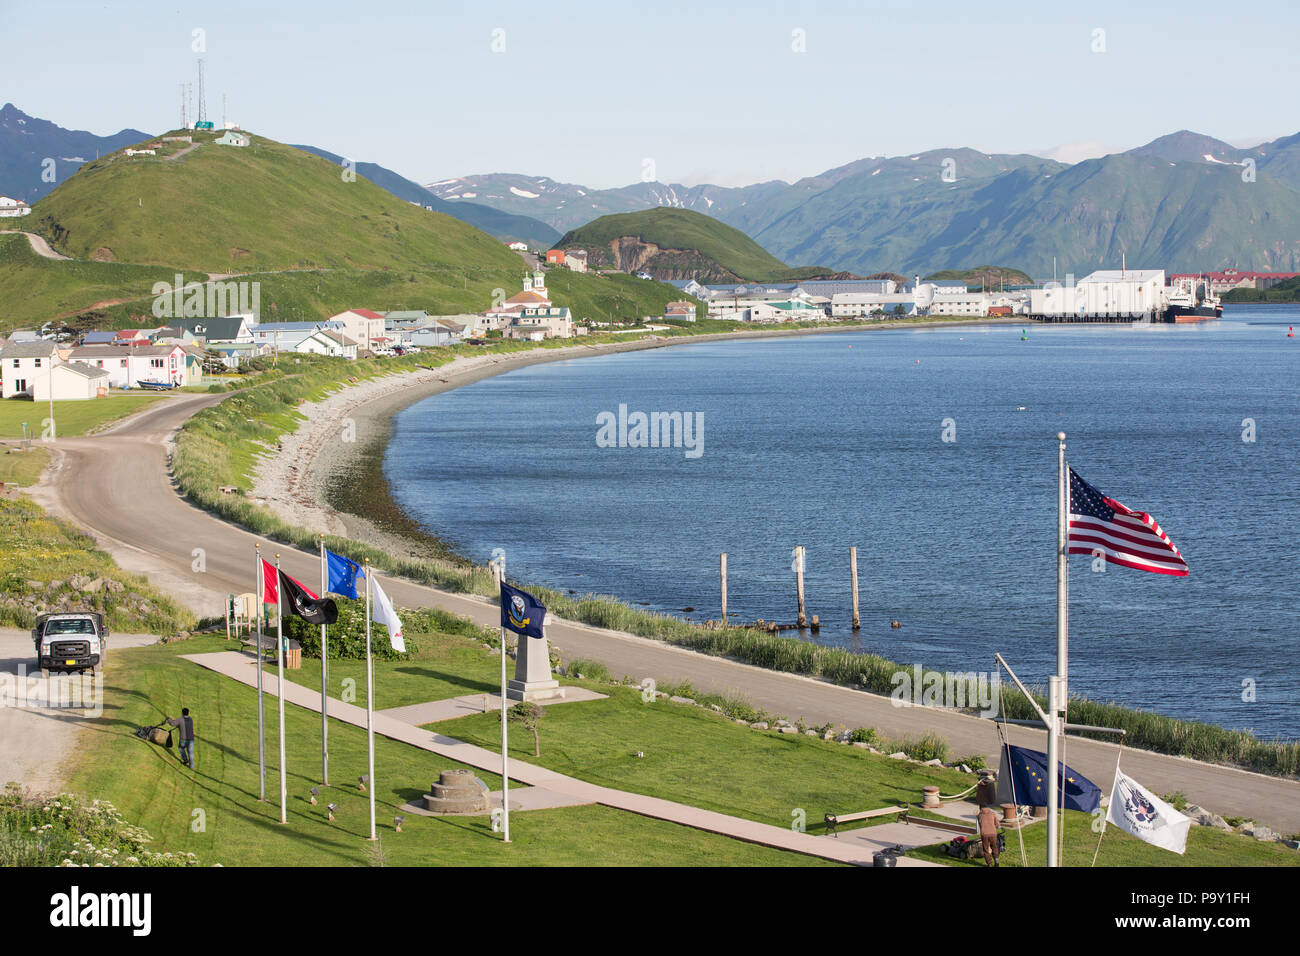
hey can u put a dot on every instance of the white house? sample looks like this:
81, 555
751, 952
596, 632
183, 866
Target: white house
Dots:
129, 365
547, 322
576, 260
232, 138
285, 336
12, 208
23, 363
329, 342
71, 381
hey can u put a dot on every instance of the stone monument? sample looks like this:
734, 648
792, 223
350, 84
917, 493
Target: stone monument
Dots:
533, 680
457, 791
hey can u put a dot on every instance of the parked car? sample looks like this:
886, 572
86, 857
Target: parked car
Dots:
644, 275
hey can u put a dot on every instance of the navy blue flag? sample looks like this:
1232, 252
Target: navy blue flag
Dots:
1027, 771
521, 612
342, 575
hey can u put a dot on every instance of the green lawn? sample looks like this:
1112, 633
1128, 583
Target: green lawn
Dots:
23, 468
70, 418
154, 791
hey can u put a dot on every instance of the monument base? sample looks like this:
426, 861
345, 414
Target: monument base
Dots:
534, 690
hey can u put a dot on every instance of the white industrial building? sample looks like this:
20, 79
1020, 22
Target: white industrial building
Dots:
1123, 293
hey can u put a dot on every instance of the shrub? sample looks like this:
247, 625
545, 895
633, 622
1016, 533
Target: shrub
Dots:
590, 670
929, 747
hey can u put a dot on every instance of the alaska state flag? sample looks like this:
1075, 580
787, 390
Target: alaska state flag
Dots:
521, 612
1026, 770
342, 575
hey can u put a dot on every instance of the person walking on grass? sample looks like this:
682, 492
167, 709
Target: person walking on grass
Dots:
988, 829
185, 723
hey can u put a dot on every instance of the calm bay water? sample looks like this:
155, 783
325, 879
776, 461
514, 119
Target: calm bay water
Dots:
836, 440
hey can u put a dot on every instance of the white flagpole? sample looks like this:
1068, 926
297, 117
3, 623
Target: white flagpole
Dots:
370, 709
279, 681
500, 568
324, 660
1057, 684
261, 720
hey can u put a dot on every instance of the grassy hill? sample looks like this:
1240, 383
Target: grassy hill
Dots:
274, 215
94, 295
1286, 291
256, 209
989, 276
673, 244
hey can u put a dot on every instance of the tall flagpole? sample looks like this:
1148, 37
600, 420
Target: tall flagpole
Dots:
370, 709
1057, 684
279, 682
324, 661
499, 567
261, 720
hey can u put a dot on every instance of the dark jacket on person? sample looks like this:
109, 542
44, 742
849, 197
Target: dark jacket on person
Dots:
186, 724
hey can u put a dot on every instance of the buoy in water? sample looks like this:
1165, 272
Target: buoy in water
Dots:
1290, 331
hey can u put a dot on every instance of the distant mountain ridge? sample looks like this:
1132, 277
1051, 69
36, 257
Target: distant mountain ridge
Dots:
1184, 201
33, 149
505, 226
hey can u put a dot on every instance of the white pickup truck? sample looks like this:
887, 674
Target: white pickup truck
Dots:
70, 641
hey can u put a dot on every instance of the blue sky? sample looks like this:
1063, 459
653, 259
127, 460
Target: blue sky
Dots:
587, 91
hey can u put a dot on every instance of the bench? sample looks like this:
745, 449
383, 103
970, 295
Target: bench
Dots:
834, 820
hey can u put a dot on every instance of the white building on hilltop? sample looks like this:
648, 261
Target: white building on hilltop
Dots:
13, 208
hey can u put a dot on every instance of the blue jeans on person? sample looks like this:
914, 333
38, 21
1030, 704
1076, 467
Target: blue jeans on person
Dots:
187, 753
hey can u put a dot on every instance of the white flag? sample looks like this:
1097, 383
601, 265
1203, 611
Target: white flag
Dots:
1146, 816
381, 612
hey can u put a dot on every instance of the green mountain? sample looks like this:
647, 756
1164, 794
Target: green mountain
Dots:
673, 244
264, 207
314, 242
1182, 202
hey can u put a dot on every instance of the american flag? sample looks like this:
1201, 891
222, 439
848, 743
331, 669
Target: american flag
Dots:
1123, 536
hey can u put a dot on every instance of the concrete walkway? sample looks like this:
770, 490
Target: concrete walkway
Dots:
858, 851
434, 711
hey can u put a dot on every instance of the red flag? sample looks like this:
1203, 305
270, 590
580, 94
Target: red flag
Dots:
270, 583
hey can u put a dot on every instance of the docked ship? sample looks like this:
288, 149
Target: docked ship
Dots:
1191, 301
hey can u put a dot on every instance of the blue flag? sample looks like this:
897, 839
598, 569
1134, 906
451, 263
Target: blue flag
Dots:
1026, 770
342, 575
521, 612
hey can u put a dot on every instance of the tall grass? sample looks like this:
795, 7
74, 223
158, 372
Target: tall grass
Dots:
216, 447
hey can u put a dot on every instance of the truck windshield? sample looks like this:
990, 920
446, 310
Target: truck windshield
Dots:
74, 626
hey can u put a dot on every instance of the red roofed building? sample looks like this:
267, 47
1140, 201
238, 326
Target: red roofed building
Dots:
1228, 279
362, 326
555, 256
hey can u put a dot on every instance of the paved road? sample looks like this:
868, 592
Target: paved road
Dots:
116, 485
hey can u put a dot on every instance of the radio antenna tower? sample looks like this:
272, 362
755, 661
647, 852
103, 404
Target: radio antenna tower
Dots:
184, 122
203, 107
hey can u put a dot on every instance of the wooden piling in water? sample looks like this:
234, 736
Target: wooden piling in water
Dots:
802, 620
723, 569
853, 571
